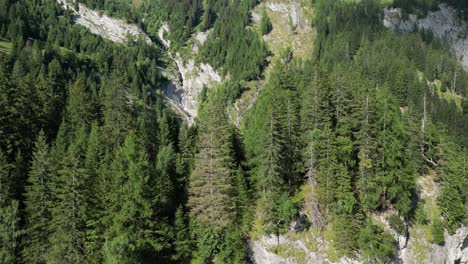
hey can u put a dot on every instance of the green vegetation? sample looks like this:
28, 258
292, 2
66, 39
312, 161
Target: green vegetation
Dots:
289, 251
95, 168
422, 7
5, 46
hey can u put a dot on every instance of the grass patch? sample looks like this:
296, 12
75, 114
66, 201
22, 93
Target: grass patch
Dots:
330, 250
289, 251
283, 36
258, 227
420, 248
5, 46
309, 238
448, 95
137, 3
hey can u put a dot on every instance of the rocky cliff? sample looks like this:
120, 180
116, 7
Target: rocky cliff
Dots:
110, 28
309, 246
187, 78
444, 24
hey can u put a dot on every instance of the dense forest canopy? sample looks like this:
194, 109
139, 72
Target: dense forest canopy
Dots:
95, 167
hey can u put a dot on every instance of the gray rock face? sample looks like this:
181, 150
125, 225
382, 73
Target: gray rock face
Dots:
454, 251
188, 80
113, 29
292, 9
192, 80
261, 252
444, 24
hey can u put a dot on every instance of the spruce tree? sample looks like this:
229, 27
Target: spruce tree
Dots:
93, 193
38, 202
182, 244
68, 224
9, 216
210, 187
130, 226
79, 107
9, 231
116, 110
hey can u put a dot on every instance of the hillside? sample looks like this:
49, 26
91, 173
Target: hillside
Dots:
268, 132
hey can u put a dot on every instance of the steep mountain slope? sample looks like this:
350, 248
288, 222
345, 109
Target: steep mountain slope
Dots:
275, 131
443, 24
103, 25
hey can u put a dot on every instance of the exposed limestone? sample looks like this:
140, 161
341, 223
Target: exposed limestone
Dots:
164, 30
444, 24
261, 252
291, 10
192, 80
188, 79
199, 39
455, 250
413, 248
110, 28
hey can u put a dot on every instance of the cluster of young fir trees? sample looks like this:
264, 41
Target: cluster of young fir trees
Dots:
359, 124
90, 161
95, 169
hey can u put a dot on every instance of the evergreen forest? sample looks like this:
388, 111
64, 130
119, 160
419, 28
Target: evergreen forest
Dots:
97, 167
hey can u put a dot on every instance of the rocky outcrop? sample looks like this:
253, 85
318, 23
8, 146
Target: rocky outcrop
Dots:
186, 89
199, 39
162, 31
188, 78
288, 10
444, 24
413, 247
262, 252
455, 250
110, 28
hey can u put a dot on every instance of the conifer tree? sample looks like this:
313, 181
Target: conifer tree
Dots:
79, 107
185, 158
93, 193
210, 188
69, 211
129, 214
265, 23
9, 216
9, 231
164, 181
38, 205
269, 176
182, 245
116, 111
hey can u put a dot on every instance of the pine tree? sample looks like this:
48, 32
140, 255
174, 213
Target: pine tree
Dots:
182, 244
38, 202
9, 216
9, 231
69, 211
129, 221
79, 107
116, 111
210, 188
